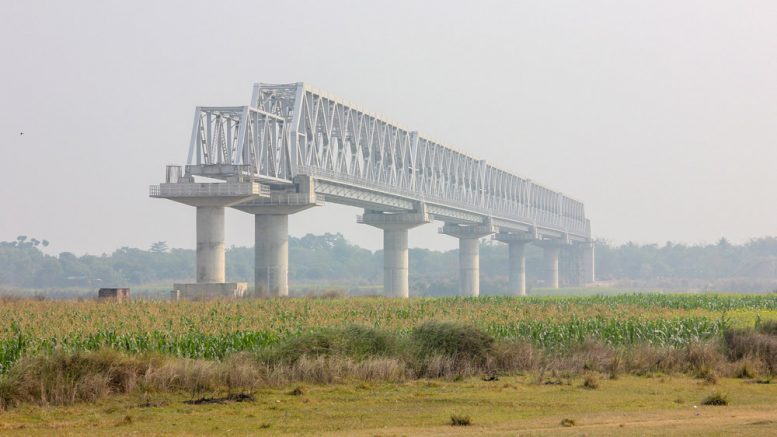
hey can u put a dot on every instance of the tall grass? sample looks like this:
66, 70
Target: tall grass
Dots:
430, 350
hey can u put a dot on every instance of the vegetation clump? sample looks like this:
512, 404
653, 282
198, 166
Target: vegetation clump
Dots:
357, 342
454, 340
753, 344
715, 399
460, 420
590, 381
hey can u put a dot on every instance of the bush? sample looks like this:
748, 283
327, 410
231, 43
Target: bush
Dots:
63, 378
311, 345
458, 420
716, 399
453, 340
748, 343
590, 381
363, 342
356, 342
768, 327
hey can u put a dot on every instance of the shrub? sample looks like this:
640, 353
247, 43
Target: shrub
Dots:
363, 342
747, 368
708, 375
311, 344
354, 341
453, 340
567, 423
768, 327
748, 343
716, 399
590, 381
62, 378
459, 420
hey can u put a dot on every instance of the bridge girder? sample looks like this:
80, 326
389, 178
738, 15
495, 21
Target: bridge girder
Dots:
361, 159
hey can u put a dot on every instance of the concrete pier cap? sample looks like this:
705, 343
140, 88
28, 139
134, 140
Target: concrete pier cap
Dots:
469, 253
271, 232
395, 226
210, 199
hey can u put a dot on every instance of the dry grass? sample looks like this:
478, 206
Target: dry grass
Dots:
434, 350
590, 381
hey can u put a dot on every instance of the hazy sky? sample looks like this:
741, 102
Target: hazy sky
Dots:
660, 115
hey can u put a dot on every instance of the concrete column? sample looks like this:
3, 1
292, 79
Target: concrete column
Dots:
395, 263
517, 267
469, 267
551, 265
395, 255
271, 255
469, 254
210, 244
587, 255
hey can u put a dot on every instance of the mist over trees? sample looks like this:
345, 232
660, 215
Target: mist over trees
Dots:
329, 258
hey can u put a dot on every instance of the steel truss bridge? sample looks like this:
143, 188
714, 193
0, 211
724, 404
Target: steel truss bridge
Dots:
295, 146
361, 159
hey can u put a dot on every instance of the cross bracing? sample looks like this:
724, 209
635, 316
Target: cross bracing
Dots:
362, 159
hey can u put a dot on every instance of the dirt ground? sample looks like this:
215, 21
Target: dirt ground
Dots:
645, 406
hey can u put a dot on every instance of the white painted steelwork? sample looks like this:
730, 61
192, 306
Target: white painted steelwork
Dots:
361, 159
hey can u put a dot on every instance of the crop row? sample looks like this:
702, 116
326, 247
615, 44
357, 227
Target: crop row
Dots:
198, 344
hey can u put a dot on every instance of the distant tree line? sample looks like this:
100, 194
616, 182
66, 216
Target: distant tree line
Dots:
331, 258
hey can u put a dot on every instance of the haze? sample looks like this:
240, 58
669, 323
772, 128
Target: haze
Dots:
659, 115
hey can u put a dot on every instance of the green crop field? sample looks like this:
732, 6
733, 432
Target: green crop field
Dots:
361, 366
215, 329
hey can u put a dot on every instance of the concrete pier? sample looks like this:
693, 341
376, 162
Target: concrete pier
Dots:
469, 267
469, 255
209, 199
271, 233
395, 254
587, 268
517, 267
395, 263
210, 244
551, 252
271, 246
516, 243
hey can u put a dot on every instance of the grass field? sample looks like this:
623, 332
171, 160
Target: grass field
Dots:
510, 406
377, 366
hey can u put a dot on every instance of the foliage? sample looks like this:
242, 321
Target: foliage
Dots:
460, 420
751, 266
715, 399
453, 340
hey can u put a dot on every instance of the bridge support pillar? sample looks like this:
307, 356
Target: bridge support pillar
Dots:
516, 243
551, 251
587, 269
395, 254
271, 234
210, 199
211, 266
469, 255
